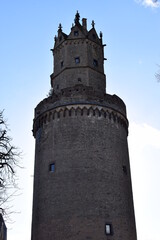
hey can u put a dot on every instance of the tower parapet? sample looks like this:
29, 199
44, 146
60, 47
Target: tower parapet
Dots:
111, 105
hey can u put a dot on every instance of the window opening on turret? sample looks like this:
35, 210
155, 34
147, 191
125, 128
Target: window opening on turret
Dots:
60, 38
62, 64
108, 229
95, 62
52, 167
94, 36
76, 33
77, 60
124, 169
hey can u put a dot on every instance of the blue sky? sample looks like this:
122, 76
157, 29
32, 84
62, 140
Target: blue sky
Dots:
131, 30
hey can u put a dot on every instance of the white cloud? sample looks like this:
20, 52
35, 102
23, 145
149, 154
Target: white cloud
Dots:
149, 3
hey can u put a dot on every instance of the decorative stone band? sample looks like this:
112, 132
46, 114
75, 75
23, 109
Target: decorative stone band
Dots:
78, 41
53, 75
80, 110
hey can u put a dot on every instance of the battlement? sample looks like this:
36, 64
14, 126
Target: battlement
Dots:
80, 94
80, 97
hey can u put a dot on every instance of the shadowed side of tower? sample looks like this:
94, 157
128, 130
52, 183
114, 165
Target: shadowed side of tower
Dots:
82, 182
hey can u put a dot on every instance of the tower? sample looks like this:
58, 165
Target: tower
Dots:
82, 181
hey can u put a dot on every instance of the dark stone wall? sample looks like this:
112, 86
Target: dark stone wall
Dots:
89, 187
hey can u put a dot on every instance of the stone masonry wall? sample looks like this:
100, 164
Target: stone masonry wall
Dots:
89, 187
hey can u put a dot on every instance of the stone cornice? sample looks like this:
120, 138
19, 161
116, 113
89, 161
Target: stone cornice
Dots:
76, 41
74, 67
81, 94
80, 110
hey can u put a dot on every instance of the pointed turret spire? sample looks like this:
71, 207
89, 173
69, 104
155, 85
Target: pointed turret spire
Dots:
55, 38
77, 17
93, 24
60, 27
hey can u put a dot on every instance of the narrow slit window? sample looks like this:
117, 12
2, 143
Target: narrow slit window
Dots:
52, 167
108, 229
62, 64
124, 169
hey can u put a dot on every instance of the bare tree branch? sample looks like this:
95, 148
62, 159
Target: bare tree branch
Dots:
9, 158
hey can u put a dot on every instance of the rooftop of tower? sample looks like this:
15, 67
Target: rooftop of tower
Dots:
78, 31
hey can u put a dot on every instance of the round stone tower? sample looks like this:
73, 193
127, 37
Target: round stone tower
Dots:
82, 181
